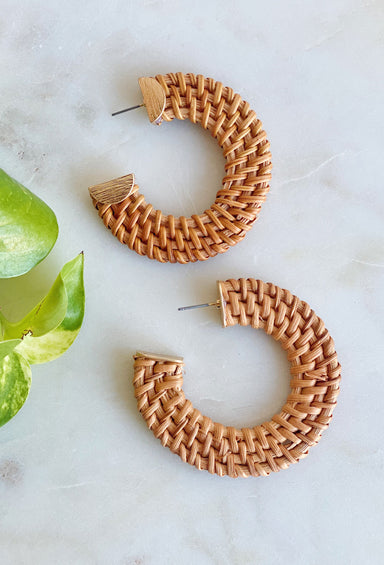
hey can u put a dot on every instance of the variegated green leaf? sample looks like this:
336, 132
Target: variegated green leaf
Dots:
54, 343
15, 382
28, 228
44, 317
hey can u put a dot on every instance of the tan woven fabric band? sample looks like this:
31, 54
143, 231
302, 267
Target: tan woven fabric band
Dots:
273, 445
244, 188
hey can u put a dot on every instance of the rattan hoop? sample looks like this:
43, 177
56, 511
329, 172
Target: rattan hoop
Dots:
244, 187
273, 445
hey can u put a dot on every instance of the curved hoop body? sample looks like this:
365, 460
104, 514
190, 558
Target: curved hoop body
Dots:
244, 188
273, 445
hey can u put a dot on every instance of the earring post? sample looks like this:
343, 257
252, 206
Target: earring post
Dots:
206, 305
127, 109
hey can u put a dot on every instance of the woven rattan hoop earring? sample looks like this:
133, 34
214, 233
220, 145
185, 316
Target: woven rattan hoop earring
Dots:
245, 185
273, 445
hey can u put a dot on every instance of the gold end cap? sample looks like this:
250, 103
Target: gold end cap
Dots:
154, 98
222, 304
113, 191
159, 357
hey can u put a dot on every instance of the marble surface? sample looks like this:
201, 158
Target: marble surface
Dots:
82, 480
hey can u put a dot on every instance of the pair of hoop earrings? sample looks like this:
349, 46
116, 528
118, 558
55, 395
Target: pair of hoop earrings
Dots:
158, 379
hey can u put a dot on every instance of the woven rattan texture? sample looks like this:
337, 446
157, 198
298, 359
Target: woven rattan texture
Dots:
273, 445
244, 188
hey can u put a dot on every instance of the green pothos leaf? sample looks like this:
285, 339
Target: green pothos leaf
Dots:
43, 318
44, 334
40, 348
28, 228
15, 382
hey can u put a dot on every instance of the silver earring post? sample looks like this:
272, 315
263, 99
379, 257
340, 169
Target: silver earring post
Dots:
127, 109
206, 305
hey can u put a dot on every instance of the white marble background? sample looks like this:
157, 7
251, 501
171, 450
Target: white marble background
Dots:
82, 480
